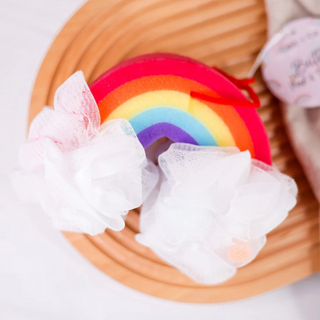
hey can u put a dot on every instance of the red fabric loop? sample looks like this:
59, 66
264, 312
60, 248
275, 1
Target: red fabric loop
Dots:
242, 84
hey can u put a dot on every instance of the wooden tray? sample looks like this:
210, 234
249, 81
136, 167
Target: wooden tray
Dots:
228, 34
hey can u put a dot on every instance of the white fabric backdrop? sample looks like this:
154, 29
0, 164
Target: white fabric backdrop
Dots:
41, 275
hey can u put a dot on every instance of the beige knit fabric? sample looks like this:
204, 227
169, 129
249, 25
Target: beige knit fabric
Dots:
303, 125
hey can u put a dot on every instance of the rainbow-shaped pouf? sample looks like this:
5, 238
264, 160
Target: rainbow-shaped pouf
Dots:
153, 93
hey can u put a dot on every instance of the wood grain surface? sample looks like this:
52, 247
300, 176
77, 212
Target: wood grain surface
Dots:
225, 33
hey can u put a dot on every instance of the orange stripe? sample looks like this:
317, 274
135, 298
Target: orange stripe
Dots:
139, 86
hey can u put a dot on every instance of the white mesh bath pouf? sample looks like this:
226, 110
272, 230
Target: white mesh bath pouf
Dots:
84, 176
212, 208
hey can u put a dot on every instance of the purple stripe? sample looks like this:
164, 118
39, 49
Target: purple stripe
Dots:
163, 129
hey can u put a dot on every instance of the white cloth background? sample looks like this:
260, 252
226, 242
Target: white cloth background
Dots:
41, 275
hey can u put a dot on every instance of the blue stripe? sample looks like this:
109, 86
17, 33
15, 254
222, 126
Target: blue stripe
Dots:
177, 117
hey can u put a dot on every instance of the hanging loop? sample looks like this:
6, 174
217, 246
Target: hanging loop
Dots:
242, 84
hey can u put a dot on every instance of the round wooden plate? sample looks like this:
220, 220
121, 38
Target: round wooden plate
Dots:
228, 34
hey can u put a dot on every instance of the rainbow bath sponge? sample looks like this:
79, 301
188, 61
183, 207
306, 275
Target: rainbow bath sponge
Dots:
153, 92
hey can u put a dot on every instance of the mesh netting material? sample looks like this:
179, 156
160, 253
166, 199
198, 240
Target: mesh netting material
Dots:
206, 210
212, 208
85, 177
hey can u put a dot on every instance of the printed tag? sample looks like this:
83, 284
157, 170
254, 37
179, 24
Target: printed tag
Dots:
291, 67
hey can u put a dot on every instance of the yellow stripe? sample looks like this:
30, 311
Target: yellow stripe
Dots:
178, 100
